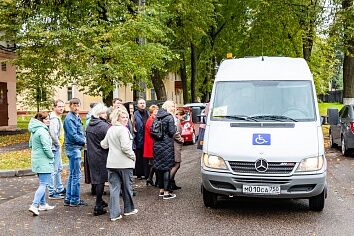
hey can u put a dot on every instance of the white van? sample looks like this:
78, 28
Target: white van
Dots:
263, 136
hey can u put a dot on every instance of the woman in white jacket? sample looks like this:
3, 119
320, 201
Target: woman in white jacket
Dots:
120, 164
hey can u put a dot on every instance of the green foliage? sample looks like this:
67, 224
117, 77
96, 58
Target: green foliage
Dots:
95, 43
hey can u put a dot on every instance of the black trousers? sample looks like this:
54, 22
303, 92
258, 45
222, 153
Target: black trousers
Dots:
141, 163
163, 179
99, 193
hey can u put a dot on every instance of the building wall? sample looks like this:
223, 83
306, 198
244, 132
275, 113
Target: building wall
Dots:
124, 92
86, 100
9, 77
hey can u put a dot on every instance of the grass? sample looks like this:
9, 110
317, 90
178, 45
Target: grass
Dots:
15, 160
323, 106
6, 140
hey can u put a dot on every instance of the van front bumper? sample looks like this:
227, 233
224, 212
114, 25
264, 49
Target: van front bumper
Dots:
294, 186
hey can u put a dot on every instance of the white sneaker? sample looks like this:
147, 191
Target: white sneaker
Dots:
34, 210
133, 212
117, 218
45, 207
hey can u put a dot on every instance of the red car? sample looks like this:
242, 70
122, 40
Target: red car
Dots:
188, 131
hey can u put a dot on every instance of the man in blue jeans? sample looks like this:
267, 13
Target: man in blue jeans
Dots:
74, 142
56, 188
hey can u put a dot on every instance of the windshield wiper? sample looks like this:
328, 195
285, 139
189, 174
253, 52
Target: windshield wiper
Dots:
273, 117
236, 117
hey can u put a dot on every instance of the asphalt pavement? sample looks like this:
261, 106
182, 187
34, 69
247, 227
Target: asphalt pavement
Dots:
186, 214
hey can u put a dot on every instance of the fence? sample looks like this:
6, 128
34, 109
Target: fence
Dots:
332, 96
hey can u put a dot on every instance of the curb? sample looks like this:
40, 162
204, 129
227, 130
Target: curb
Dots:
21, 172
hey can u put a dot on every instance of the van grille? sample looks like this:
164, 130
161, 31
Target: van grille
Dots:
262, 181
245, 167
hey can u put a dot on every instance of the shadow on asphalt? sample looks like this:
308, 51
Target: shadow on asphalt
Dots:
256, 205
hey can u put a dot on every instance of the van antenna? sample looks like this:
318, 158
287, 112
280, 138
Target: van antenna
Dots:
262, 50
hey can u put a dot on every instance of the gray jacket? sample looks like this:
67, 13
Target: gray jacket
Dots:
54, 130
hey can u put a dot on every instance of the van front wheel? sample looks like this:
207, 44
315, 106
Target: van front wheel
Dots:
210, 199
316, 203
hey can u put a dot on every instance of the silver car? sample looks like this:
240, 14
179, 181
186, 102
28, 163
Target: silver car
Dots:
341, 132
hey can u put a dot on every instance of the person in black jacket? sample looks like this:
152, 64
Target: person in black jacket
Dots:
96, 155
140, 118
164, 157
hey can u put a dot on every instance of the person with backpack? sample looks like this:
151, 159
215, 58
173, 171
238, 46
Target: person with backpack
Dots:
163, 130
149, 144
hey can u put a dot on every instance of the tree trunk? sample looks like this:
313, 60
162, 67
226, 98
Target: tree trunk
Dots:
183, 73
193, 72
307, 43
107, 98
158, 84
348, 64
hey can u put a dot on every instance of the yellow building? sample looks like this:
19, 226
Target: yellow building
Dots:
8, 115
125, 92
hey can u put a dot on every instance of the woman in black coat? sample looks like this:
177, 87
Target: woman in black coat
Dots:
96, 155
164, 157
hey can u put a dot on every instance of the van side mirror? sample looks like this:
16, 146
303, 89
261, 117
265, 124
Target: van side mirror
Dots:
333, 116
195, 113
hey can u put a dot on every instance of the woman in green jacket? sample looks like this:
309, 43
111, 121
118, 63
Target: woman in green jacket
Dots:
42, 159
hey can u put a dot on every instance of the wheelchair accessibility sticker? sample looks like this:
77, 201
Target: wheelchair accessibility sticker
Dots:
261, 139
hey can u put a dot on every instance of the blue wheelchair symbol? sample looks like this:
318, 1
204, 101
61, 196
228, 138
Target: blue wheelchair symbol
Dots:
261, 139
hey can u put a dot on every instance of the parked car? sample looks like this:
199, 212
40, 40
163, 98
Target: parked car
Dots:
188, 127
341, 132
196, 110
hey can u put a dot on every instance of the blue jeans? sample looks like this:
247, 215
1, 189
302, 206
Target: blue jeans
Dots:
120, 179
56, 185
73, 187
39, 196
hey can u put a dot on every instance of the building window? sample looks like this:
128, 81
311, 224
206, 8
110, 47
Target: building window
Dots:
70, 93
3, 66
152, 95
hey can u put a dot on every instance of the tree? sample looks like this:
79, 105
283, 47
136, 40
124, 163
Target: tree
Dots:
91, 42
348, 63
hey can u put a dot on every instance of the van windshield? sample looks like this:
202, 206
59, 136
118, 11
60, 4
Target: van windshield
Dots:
275, 100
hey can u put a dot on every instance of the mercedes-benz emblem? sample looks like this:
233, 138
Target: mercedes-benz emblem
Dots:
261, 165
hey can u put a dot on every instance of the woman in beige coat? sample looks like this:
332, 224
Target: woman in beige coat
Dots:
120, 164
178, 144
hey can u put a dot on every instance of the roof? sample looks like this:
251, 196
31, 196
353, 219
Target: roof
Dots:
271, 68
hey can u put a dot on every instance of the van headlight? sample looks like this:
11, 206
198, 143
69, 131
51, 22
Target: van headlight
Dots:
214, 162
311, 164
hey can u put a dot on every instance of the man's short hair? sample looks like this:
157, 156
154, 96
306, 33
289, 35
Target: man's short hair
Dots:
75, 101
116, 99
55, 102
140, 98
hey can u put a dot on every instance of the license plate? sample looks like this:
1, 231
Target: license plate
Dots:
266, 190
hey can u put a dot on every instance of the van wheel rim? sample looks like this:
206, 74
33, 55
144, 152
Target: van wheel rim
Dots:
343, 146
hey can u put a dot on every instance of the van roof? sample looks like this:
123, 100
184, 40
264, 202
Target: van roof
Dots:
271, 68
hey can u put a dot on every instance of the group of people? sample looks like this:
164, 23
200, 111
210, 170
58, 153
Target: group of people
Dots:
119, 145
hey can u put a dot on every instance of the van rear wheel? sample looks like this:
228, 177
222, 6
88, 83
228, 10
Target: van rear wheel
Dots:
316, 203
210, 199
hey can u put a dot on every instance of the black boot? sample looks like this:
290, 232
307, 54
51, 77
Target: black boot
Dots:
173, 185
99, 210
